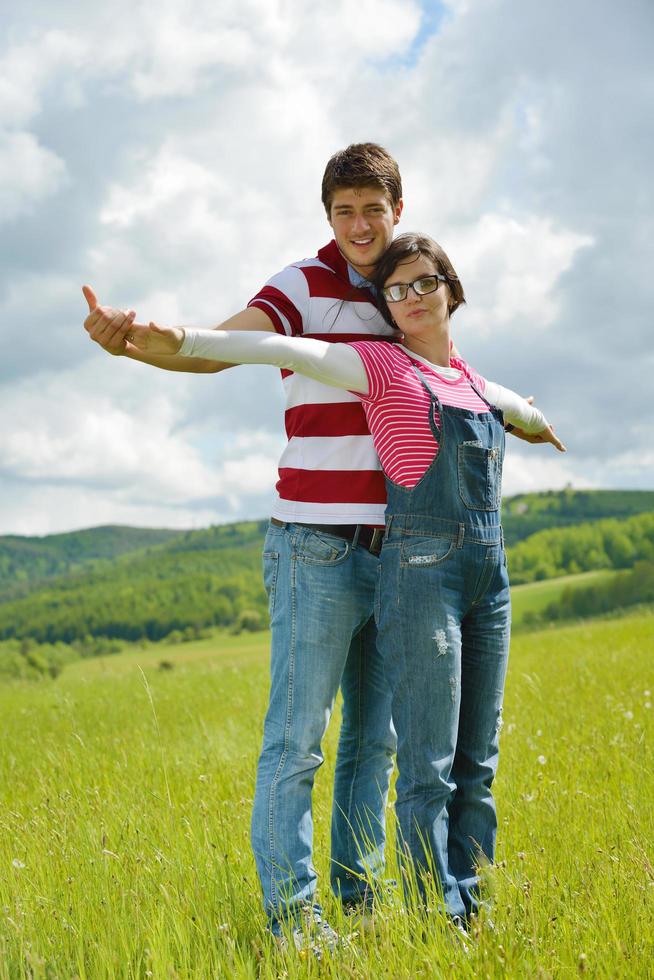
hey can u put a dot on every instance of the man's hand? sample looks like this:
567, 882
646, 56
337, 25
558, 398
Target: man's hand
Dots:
156, 340
113, 331
106, 326
545, 435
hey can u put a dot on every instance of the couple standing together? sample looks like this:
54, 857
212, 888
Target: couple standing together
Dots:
391, 585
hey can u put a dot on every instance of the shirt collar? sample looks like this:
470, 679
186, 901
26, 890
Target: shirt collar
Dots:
358, 280
332, 256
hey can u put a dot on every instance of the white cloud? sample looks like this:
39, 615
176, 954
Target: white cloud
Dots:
255, 473
59, 431
27, 69
349, 32
178, 55
512, 268
186, 144
542, 468
61, 435
170, 186
28, 173
46, 509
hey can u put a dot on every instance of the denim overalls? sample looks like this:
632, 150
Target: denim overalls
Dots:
444, 614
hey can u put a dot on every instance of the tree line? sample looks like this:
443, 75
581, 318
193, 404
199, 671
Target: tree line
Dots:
185, 587
632, 587
582, 548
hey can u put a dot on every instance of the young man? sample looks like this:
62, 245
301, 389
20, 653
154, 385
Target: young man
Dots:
320, 555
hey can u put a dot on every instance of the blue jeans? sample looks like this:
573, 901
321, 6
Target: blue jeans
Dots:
444, 625
321, 591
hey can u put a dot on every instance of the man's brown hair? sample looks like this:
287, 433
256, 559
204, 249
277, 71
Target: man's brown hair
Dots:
361, 165
407, 248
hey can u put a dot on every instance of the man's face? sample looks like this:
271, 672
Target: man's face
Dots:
363, 219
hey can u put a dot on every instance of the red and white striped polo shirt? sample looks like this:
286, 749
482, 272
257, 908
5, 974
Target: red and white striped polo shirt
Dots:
329, 472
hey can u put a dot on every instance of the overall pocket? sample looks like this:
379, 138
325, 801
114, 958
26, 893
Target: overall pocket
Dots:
426, 552
479, 475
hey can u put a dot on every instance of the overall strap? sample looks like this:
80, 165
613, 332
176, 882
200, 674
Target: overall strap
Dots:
434, 405
492, 408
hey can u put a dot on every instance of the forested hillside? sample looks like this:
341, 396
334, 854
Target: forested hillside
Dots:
634, 586
26, 560
127, 584
526, 514
199, 579
583, 548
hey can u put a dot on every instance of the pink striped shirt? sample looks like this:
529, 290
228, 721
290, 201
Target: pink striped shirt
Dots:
397, 406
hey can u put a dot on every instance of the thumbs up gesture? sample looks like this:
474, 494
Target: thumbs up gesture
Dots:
106, 326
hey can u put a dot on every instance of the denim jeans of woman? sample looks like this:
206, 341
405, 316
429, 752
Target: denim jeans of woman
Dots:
443, 610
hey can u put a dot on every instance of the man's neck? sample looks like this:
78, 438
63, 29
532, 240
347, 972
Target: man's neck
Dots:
365, 271
357, 276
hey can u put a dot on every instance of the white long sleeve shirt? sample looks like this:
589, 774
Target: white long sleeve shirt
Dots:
381, 374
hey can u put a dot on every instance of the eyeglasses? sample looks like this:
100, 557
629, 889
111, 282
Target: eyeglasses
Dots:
399, 290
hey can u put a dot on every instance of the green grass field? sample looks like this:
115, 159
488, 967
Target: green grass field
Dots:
534, 597
125, 794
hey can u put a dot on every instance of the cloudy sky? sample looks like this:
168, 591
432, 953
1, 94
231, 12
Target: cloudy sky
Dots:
171, 155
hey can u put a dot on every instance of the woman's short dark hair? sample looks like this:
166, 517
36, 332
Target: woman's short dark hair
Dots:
407, 248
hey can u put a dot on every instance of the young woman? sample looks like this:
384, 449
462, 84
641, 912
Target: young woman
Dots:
443, 606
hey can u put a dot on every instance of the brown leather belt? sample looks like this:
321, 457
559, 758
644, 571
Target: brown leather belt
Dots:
368, 537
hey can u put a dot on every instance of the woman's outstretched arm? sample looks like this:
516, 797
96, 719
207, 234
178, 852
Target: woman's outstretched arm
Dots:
335, 364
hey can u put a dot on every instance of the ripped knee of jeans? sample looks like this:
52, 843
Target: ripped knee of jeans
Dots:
440, 636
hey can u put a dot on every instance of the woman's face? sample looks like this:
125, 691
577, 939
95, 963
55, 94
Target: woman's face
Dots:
416, 315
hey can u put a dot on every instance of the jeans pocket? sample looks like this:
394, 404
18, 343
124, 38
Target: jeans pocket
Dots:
426, 552
479, 472
270, 570
320, 548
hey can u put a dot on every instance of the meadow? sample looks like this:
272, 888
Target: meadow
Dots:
125, 793
532, 598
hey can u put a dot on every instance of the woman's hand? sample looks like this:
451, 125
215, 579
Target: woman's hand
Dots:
154, 339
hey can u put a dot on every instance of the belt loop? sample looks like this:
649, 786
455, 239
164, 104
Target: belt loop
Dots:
355, 539
459, 540
502, 537
389, 521
376, 541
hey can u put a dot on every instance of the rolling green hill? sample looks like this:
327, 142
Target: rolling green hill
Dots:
24, 560
586, 547
529, 601
528, 513
149, 594
130, 584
